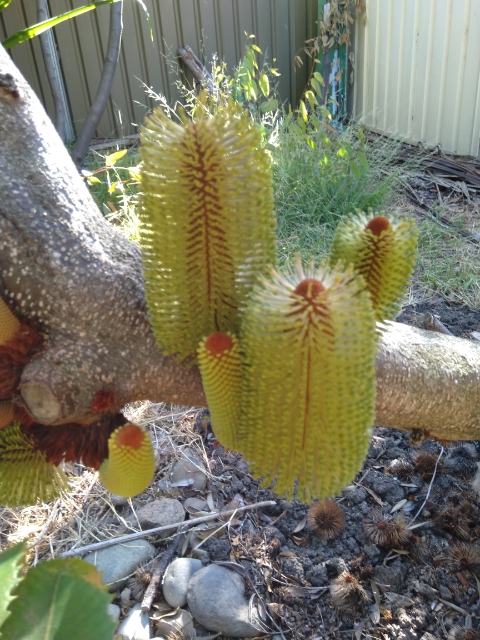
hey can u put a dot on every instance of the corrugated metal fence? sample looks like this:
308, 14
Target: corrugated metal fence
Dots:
208, 26
417, 71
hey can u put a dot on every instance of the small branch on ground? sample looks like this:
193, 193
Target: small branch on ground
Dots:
159, 567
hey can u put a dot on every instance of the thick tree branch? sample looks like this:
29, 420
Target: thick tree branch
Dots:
63, 265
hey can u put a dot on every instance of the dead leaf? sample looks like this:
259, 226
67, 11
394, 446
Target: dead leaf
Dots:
300, 526
399, 505
399, 600
377, 499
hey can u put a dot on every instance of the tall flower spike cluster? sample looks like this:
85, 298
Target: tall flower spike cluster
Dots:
308, 391
382, 251
287, 361
208, 224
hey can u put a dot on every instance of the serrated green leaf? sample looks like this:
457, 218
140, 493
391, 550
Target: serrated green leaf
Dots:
11, 563
271, 105
57, 600
111, 160
37, 29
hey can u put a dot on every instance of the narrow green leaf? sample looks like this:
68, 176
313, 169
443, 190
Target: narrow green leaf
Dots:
111, 160
4, 4
37, 29
316, 87
362, 158
11, 564
271, 105
312, 101
319, 78
355, 169
264, 84
257, 49
142, 4
57, 600
303, 111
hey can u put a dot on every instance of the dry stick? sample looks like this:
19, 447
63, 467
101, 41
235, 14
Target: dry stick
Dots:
160, 564
429, 489
168, 527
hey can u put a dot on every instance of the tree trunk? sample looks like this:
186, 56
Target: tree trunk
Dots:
52, 71
63, 266
80, 148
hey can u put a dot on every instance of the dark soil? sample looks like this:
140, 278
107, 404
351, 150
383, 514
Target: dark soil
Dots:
458, 318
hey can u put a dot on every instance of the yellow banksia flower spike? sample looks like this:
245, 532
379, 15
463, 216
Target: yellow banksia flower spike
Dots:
130, 465
220, 365
309, 344
9, 323
6, 413
25, 475
382, 250
208, 224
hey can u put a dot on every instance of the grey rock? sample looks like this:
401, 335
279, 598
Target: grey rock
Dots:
118, 562
392, 577
161, 513
125, 595
425, 589
216, 599
180, 622
189, 467
136, 626
428, 636
317, 576
270, 532
335, 566
176, 579
445, 593
292, 566
113, 611
371, 551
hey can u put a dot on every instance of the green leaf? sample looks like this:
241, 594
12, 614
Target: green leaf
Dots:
316, 87
111, 160
362, 158
60, 599
4, 4
271, 105
355, 169
11, 564
303, 111
255, 48
37, 29
142, 4
94, 180
312, 101
264, 84
319, 78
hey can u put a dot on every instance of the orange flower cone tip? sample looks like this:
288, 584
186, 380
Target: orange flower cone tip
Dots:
130, 465
377, 225
6, 413
220, 366
9, 323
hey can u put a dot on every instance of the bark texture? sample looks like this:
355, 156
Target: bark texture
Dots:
63, 266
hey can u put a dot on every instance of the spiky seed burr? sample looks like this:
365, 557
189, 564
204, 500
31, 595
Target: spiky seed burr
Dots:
309, 344
386, 530
460, 557
425, 462
220, 366
130, 465
383, 251
348, 595
326, 519
25, 475
207, 223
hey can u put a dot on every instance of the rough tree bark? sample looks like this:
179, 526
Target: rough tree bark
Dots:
62, 265
80, 148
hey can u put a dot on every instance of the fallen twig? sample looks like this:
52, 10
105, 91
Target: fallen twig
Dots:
150, 532
429, 488
159, 567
